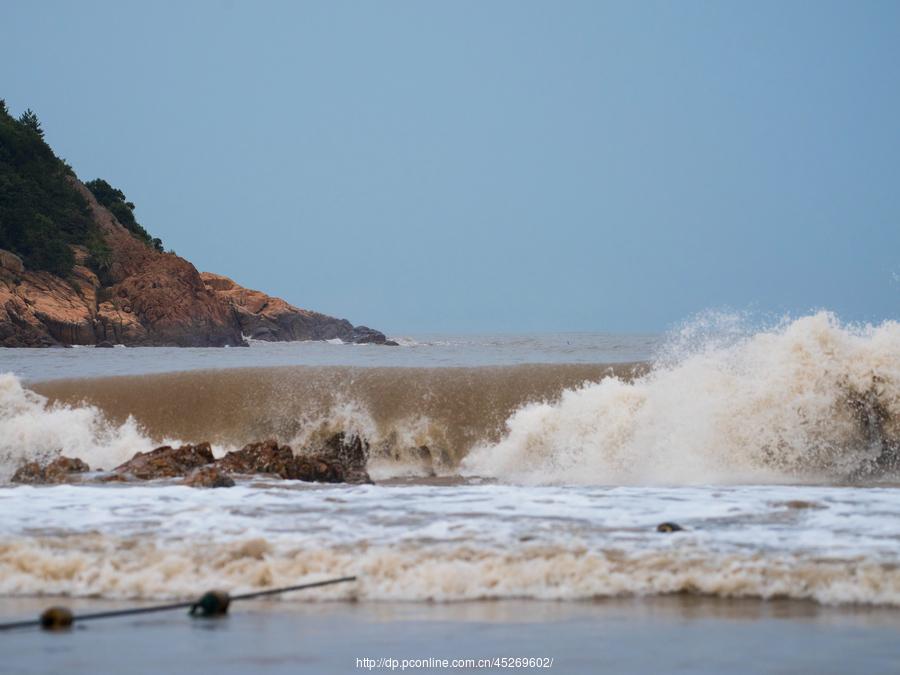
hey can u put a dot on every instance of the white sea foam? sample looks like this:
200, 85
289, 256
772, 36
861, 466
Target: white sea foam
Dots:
809, 399
453, 543
31, 429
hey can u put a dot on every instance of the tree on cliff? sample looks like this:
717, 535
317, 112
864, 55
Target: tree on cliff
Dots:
41, 213
30, 121
115, 200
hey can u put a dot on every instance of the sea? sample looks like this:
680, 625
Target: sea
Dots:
513, 475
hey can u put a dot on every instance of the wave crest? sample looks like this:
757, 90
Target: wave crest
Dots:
811, 399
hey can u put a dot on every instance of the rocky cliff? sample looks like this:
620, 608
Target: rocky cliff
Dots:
147, 298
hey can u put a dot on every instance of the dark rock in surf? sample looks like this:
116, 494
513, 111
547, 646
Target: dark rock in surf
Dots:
263, 457
348, 452
208, 476
340, 459
874, 419
365, 335
167, 462
113, 477
669, 527
60, 470
29, 473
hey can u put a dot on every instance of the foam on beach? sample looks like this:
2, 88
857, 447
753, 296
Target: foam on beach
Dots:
465, 542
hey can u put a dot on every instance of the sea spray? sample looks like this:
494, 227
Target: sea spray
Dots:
32, 429
778, 405
808, 400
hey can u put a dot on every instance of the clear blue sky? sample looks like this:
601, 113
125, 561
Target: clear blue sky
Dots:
491, 166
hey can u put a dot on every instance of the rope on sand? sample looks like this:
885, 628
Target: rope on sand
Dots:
212, 603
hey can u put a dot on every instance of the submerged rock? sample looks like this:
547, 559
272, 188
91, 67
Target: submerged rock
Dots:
208, 477
167, 462
60, 470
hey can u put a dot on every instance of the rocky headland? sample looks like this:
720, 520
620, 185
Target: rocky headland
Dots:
77, 269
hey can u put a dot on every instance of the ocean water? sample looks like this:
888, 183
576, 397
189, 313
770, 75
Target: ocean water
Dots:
422, 351
528, 467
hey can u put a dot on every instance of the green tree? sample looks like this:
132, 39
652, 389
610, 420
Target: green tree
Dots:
31, 122
45, 248
41, 212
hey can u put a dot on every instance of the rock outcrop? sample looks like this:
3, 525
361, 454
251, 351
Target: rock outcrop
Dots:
263, 317
348, 452
264, 457
147, 298
60, 470
340, 459
167, 462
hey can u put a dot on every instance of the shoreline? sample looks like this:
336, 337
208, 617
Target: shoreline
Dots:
631, 635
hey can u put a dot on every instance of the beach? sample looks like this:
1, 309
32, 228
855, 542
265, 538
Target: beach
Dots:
519, 485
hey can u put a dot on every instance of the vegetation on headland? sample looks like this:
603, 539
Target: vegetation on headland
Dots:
41, 212
122, 209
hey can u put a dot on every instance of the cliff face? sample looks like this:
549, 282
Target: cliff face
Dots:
263, 317
148, 298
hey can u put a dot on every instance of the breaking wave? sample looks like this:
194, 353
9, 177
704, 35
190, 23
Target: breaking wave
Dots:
32, 429
810, 399
102, 566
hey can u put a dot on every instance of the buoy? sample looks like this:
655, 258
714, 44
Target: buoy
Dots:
211, 603
669, 527
56, 618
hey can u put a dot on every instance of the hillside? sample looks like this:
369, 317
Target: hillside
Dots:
77, 268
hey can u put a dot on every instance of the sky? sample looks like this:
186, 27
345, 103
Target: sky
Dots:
491, 166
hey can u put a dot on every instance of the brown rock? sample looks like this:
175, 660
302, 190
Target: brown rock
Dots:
11, 262
30, 473
39, 309
350, 453
113, 477
148, 298
317, 470
208, 477
264, 317
167, 462
263, 457
340, 460
60, 470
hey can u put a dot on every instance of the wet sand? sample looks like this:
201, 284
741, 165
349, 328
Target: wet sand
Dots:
675, 634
